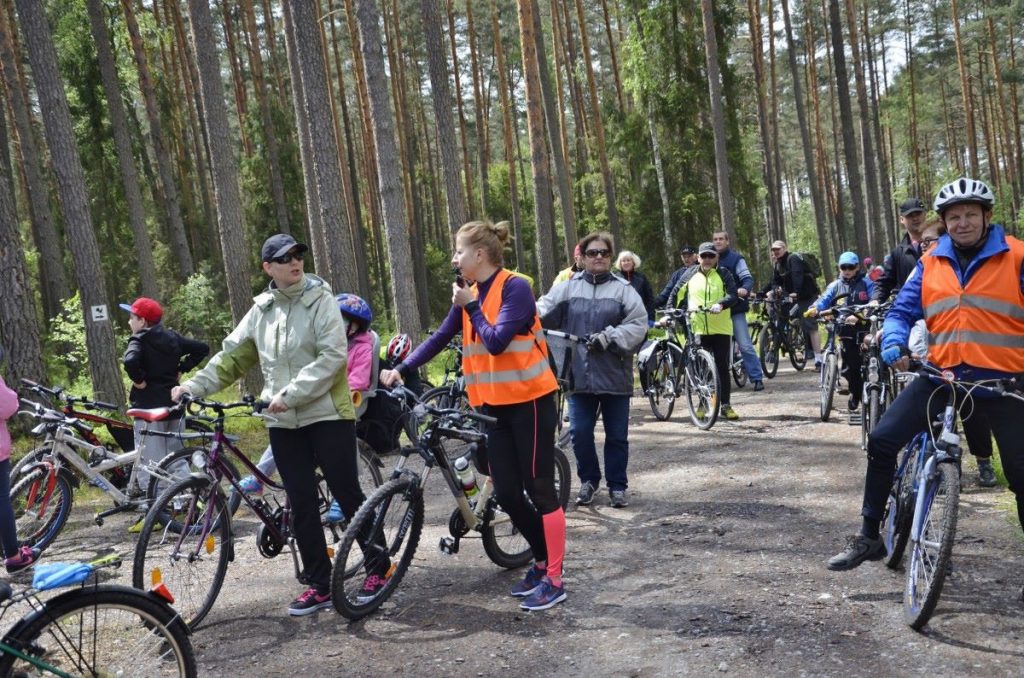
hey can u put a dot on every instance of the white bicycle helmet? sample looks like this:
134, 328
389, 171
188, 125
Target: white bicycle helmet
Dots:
964, 190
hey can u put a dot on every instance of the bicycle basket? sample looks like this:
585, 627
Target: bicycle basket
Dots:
560, 350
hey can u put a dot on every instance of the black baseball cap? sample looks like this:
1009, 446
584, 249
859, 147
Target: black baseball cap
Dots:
910, 206
687, 249
279, 245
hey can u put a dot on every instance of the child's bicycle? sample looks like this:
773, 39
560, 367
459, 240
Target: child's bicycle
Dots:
94, 629
186, 539
386, 529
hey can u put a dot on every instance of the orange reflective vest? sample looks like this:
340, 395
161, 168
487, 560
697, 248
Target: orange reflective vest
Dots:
518, 374
982, 323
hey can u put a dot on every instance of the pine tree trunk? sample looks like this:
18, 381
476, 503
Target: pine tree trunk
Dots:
227, 195
123, 147
885, 198
467, 167
238, 82
727, 210
774, 120
169, 189
478, 110
407, 316
767, 159
965, 92
314, 225
508, 115
67, 167
53, 281
614, 57
19, 327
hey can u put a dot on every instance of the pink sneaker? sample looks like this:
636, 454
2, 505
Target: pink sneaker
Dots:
25, 557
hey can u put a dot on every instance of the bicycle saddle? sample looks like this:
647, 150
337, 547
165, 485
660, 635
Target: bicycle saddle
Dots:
155, 414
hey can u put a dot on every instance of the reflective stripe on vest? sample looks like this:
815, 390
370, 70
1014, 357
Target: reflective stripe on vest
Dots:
518, 374
982, 323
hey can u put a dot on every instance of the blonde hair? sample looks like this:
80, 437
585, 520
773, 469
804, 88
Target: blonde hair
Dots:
626, 254
489, 237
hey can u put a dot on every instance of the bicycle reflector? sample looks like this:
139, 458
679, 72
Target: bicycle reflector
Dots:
156, 577
210, 543
161, 591
330, 552
199, 458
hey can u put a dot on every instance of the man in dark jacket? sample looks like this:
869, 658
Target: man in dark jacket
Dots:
737, 265
900, 263
791, 275
155, 359
608, 311
688, 255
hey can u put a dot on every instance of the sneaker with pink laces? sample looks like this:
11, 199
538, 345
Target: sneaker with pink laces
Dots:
372, 586
25, 557
309, 602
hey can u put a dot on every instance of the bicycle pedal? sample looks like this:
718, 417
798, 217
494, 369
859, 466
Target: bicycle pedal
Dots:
448, 546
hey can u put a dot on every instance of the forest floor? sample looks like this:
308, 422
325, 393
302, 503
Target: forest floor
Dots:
717, 566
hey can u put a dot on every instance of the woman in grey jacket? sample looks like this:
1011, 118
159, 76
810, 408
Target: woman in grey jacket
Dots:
296, 335
606, 309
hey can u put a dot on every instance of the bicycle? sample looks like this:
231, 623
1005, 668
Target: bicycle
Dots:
879, 380
828, 382
783, 333
739, 372
187, 538
683, 366
43, 487
387, 527
922, 507
93, 630
561, 348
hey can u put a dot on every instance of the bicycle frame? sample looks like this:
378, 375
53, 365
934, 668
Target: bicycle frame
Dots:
944, 449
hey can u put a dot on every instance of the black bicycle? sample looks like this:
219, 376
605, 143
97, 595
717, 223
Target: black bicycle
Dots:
783, 333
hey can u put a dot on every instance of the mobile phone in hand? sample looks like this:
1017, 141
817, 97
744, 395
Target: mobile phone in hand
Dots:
459, 280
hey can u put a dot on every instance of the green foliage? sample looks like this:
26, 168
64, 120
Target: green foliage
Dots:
196, 309
66, 356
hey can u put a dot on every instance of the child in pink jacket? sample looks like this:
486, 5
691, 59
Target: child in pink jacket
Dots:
17, 557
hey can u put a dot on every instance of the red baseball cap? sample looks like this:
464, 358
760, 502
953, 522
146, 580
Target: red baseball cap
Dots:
146, 308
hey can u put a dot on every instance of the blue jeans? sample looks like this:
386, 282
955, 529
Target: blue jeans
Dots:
583, 419
741, 335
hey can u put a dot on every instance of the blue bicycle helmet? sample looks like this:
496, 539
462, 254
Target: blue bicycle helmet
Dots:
848, 259
354, 307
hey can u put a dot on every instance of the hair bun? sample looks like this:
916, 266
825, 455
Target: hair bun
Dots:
500, 231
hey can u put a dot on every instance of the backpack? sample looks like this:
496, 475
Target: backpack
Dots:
811, 264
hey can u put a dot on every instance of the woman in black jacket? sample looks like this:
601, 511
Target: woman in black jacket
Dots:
628, 263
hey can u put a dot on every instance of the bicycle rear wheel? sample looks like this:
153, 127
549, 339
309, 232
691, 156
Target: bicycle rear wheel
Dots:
829, 375
701, 378
768, 348
102, 631
384, 532
661, 389
872, 407
739, 373
39, 511
797, 340
186, 543
899, 506
930, 556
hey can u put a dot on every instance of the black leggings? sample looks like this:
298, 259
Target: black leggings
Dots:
331, 446
521, 448
720, 348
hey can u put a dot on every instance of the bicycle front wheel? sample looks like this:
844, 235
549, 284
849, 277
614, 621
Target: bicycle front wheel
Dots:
661, 390
768, 348
178, 465
930, 556
40, 511
102, 631
797, 340
186, 544
381, 539
702, 389
899, 506
829, 375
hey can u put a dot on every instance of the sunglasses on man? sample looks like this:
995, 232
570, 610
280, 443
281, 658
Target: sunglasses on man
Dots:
708, 255
288, 258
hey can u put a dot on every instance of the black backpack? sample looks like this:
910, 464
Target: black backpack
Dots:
812, 266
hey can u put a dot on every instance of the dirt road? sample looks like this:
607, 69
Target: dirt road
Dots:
717, 566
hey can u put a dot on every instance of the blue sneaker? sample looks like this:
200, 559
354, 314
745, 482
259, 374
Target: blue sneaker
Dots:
334, 514
250, 486
530, 583
547, 595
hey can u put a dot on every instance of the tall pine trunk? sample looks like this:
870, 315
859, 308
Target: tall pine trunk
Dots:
508, 136
727, 209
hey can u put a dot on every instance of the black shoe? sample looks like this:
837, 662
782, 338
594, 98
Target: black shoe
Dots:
986, 474
586, 495
758, 385
858, 549
617, 498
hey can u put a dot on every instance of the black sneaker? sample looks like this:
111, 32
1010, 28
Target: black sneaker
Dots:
758, 385
618, 499
309, 602
586, 495
858, 549
986, 474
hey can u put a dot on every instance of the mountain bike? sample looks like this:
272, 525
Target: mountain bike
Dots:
879, 381
739, 372
682, 366
186, 539
828, 382
783, 333
387, 527
93, 630
922, 507
43, 487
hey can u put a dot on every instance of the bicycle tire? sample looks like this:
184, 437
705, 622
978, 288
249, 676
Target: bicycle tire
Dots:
661, 390
702, 386
136, 635
157, 486
31, 457
927, 570
870, 416
563, 477
768, 348
171, 533
389, 521
829, 376
899, 506
37, 525
797, 341
739, 374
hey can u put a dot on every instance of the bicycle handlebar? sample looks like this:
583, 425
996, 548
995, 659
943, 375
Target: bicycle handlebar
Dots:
401, 393
59, 393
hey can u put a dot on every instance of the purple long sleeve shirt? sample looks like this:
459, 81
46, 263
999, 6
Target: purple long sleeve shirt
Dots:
515, 316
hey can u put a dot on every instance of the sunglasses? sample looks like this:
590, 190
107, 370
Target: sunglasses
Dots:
848, 267
594, 254
288, 258
708, 255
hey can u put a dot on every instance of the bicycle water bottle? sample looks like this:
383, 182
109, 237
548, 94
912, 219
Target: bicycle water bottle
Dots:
466, 476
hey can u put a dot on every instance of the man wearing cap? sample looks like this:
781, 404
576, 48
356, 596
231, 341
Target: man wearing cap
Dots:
688, 255
790, 274
155, 359
737, 265
899, 263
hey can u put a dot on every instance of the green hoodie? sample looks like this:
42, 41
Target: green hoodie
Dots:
297, 336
